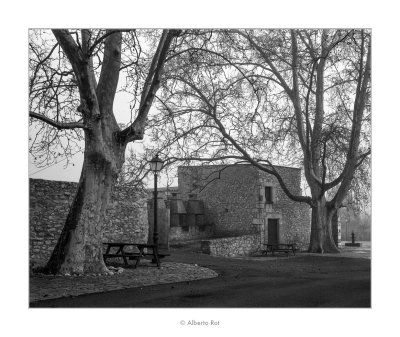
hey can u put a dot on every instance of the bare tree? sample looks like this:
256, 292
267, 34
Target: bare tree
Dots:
73, 82
291, 97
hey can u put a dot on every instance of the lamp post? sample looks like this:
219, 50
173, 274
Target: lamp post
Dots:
155, 165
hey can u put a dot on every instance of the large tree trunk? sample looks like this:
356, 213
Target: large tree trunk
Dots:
79, 248
335, 227
321, 240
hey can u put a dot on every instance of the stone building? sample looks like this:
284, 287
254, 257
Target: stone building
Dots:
246, 206
177, 220
232, 210
188, 220
163, 217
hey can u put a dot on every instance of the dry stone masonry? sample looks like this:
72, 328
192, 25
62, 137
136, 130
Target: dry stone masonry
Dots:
126, 218
244, 245
240, 200
233, 209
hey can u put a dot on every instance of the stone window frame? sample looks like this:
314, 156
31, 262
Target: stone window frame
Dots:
273, 193
269, 200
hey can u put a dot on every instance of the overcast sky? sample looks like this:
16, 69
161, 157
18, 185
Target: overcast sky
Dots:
381, 16
72, 171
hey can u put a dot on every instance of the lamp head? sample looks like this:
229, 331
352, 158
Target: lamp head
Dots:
156, 164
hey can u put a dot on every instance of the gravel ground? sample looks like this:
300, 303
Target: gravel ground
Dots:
43, 287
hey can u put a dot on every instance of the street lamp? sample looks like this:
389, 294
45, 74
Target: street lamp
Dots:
155, 165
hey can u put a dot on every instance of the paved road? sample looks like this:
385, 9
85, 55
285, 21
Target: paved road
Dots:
304, 281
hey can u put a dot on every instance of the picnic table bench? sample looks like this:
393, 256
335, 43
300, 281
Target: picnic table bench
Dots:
279, 247
118, 250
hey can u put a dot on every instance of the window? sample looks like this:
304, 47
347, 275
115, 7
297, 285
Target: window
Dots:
199, 219
174, 220
268, 195
182, 220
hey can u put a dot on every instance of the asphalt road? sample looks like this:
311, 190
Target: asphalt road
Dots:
295, 282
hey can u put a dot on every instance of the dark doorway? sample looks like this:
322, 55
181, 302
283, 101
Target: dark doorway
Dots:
273, 231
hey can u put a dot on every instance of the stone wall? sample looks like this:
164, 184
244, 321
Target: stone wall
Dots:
294, 217
178, 233
229, 194
236, 204
244, 245
187, 219
126, 218
163, 221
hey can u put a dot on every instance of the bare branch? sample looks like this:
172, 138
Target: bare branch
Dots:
136, 130
103, 37
109, 75
58, 125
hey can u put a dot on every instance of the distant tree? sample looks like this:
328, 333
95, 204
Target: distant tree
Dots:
274, 97
354, 221
73, 79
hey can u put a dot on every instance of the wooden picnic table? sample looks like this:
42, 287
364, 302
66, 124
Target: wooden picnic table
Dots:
279, 247
119, 249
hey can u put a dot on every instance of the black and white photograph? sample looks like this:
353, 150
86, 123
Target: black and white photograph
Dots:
258, 142
205, 178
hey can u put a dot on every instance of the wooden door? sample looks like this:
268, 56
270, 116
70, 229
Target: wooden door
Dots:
273, 237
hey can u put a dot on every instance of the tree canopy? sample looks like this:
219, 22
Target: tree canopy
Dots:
294, 97
73, 79
274, 97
